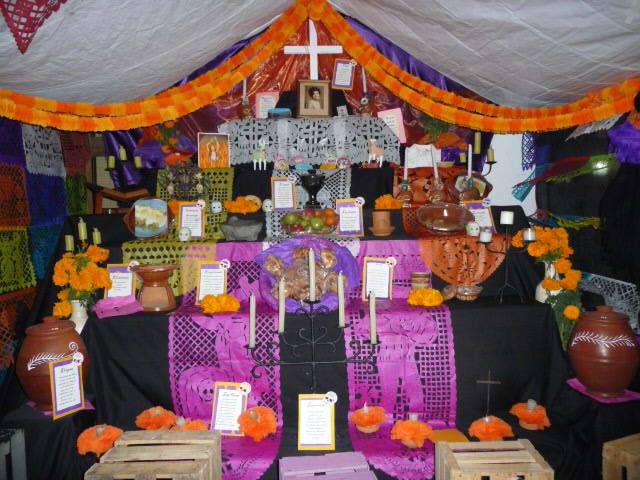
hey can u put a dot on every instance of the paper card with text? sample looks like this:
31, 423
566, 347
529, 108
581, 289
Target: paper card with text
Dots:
283, 194
229, 402
350, 221
393, 119
191, 216
316, 422
67, 390
123, 281
481, 214
212, 279
377, 277
343, 70
265, 101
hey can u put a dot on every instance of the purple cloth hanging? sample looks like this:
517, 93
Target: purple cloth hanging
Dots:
624, 141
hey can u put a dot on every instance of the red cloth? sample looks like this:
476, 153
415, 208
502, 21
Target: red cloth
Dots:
25, 17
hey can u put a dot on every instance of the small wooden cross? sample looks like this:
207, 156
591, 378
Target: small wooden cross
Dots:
488, 382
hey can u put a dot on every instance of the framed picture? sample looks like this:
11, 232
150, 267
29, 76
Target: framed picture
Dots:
314, 99
213, 150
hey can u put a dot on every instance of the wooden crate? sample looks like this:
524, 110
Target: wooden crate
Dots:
150, 454
620, 455
490, 461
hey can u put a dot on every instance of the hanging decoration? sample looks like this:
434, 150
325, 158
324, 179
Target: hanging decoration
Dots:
528, 150
42, 150
25, 17
13, 196
624, 139
435, 102
76, 192
76, 152
42, 243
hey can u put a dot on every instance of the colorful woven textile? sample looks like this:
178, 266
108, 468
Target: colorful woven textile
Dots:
42, 151
47, 199
415, 372
42, 243
168, 251
25, 17
76, 152
13, 196
218, 185
9, 303
203, 349
16, 271
76, 193
11, 150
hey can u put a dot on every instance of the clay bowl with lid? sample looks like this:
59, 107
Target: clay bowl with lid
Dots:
53, 339
444, 218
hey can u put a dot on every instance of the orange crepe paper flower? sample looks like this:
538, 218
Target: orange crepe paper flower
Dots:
188, 424
493, 429
219, 303
571, 312
97, 439
257, 422
387, 202
241, 205
155, 418
411, 432
424, 297
536, 417
373, 416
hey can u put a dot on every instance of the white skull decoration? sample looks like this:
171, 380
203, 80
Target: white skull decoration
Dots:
216, 207
267, 205
473, 229
184, 234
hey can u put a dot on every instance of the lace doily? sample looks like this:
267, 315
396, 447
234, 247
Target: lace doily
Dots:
42, 243
76, 193
13, 196
42, 151
299, 140
622, 296
16, 270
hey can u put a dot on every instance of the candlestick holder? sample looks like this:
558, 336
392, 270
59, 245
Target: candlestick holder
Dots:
264, 354
507, 249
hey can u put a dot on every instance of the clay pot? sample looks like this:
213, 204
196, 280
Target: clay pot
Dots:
155, 294
604, 352
50, 340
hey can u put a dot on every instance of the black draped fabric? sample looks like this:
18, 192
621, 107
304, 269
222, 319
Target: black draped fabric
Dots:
620, 212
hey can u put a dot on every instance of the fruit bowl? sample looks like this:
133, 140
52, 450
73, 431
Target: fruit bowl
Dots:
310, 221
444, 218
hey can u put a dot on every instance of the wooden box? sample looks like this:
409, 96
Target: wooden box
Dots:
184, 455
343, 465
490, 461
620, 455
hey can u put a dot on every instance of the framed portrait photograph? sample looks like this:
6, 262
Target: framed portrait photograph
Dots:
314, 98
213, 150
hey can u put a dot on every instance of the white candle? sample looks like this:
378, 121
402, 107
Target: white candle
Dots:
281, 307
405, 174
252, 321
372, 319
137, 161
485, 236
68, 243
490, 155
364, 82
529, 235
340, 300
244, 88
122, 153
506, 217
470, 161
312, 275
365, 408
97, 236
435, 164
82, 230
476, 143
111, 162
463, 157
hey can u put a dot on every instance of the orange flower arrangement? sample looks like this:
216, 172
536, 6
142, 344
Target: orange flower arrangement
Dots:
490, 428
571, 312
412, 433
387, 202
257, 422
188, 424
155, 418
219, 303
241, 205
562, 265
424, 297
531, 415
97, 439
81, 276
368, 419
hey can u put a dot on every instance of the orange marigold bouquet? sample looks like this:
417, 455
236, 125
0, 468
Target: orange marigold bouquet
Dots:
561, 279
241, 205
424, 297
387, 202
80, 276
219, 303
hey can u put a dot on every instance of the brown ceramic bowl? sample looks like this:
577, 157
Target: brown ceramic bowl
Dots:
444, 218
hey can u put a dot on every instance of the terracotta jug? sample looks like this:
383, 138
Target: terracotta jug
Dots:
50, 340
604, 352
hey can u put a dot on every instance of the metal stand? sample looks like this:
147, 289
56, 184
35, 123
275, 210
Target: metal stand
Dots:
507, 248
264, 354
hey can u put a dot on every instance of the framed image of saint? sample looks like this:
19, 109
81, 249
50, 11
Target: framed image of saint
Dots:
314, 99
213, 150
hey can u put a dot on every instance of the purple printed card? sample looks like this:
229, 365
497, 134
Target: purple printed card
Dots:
350, 217
67, 392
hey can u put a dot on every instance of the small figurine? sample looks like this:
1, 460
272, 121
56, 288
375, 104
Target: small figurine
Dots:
366, 109
376, 154
259, 157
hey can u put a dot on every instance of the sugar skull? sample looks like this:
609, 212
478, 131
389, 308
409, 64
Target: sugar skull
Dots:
216, 207
184, 234
473, 229
267, 205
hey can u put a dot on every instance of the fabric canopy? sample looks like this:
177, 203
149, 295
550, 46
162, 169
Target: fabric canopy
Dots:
512, 53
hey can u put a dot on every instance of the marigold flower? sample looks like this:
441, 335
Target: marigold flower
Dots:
62, 309
516, 241
562, 265
550, 284
568, 283
97, 254
387, 202
241, 205
219, 303
571, 312
424, 297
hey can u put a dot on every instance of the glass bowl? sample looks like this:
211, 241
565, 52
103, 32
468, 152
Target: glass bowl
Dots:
310, 222
444, 218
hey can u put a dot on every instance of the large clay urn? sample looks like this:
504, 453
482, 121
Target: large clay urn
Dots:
52, 339
604, 352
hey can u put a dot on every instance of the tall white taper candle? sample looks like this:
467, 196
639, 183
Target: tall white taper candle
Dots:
340, 300
312, 275
364, 82
281, 308
252, 321
469, 161
434, 163
372, 318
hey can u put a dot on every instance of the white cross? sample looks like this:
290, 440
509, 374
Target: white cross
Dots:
313, 50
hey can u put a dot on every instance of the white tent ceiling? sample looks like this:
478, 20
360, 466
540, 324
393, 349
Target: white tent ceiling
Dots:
512, 52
